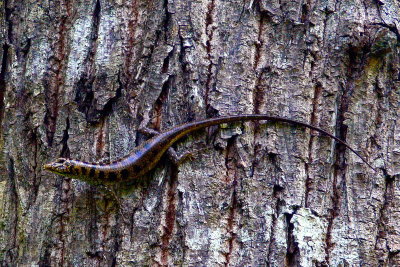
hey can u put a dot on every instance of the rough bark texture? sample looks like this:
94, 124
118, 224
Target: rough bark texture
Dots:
79, 77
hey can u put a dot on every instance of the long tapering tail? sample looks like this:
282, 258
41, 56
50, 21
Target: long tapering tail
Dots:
184, 129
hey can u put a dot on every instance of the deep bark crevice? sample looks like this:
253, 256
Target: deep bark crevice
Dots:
161, 102
231, 171
92, 230
258, 101
230, 224
166, 61
96, 21
259, 88
355, 64
313, 121
209, 28
8, 12
383, 253
258, 96
65, 152
117, 244
54, 80
170, 217
292, 254
167, 20
84, 96
108, 107
100, 142
391, 28
33, 138
277, 190
304, 17
45, 257
3, 83
260, 40
393, 258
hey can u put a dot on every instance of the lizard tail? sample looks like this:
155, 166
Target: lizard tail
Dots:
184, 129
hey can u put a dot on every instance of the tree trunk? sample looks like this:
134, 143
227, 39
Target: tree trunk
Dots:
78, 78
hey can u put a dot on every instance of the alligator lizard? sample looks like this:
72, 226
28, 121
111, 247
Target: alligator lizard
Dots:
145, 157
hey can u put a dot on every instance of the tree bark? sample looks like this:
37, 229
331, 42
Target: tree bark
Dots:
78, 78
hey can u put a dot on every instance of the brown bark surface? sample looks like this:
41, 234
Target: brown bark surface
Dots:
79, 77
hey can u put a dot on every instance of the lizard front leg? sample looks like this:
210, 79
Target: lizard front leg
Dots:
178, 159
171, 152
148, 132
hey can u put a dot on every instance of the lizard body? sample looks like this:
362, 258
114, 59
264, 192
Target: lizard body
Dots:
145, 157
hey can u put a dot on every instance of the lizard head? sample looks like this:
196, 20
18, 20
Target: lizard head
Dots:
70, 168
61, 166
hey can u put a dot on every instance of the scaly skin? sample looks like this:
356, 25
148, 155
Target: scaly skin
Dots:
145, 157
